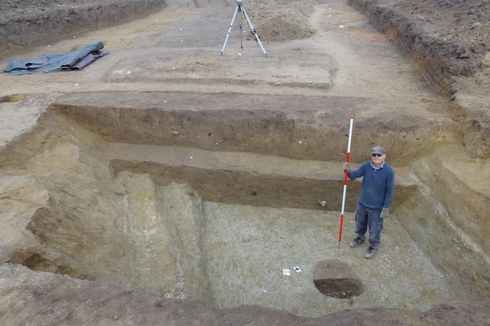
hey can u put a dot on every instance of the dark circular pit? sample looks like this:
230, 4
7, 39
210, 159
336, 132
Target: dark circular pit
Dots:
337, 280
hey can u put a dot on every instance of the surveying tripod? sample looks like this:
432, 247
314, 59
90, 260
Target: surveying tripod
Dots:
243, 13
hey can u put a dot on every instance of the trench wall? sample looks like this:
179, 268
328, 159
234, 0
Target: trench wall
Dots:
307, 128
445, 63
448, 220
428, 53
36, 26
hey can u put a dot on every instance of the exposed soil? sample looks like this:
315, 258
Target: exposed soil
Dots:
77, 302
457, 32
337, 279
29, 23
167, 184
339, 288
282, 20
450, 43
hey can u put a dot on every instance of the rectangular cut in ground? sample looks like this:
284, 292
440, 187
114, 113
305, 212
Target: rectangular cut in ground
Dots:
248, 248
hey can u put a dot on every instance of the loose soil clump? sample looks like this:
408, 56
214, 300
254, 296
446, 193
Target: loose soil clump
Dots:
281, 20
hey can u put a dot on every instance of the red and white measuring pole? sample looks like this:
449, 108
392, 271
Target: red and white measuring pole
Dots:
346, 171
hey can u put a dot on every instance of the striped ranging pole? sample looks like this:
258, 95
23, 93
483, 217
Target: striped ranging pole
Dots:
346, 171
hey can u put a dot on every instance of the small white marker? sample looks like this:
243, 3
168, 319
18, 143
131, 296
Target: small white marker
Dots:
286, 272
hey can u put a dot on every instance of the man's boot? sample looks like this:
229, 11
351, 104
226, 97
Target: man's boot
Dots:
356, 242
370, 253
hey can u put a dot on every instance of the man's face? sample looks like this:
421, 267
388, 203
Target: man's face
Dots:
378, 158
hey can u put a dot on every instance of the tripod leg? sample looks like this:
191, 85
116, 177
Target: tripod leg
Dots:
241, 29
254, 32
229, 31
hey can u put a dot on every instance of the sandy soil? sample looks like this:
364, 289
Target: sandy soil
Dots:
28, 23
282, 20
77, 302
459, 31
449, 42
330, 63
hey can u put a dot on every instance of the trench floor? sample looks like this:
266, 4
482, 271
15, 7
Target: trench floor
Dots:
248, 248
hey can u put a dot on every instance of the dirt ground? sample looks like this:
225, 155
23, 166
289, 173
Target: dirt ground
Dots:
88, 158
449, 42
54, 299
456, 31
28, 23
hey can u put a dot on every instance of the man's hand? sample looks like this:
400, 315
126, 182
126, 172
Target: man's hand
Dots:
384, 212
345, 166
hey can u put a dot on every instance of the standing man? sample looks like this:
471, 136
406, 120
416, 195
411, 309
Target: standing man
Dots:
378, 184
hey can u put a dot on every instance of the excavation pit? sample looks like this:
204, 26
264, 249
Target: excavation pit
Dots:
115, 194
186, 184
336, 279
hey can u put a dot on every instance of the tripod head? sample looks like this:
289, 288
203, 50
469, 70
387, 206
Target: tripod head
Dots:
239, 5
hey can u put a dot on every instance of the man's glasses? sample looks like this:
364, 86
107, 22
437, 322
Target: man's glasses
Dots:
376, 155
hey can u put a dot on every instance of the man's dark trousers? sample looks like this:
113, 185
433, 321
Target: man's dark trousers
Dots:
369, 218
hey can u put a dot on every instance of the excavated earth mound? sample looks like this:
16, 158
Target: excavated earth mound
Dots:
282, 20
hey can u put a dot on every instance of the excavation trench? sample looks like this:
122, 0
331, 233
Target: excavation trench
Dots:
116, 194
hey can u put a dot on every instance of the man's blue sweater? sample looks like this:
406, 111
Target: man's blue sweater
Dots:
377, 185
